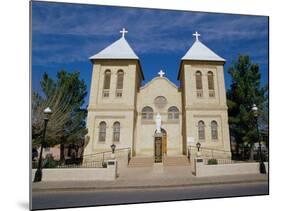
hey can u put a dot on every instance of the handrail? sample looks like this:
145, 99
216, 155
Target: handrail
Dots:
206, 151
104, 152
207, 148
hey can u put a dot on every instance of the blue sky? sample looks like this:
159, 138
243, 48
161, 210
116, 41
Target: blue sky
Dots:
65, 35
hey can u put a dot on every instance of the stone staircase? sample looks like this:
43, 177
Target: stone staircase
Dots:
141, 162
167, 161
175, 161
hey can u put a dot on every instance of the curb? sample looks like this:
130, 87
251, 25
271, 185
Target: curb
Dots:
116, 188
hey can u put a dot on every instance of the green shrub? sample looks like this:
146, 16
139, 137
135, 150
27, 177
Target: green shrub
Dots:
104, 164
212, 161
49, 162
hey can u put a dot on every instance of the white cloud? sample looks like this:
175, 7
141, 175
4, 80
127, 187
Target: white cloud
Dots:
149, 30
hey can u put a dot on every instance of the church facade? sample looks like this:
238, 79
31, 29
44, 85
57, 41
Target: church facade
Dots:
157, 117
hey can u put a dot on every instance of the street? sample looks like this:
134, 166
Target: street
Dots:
44, 200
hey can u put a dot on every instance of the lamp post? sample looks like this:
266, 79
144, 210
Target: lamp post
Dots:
113, 146
198, 145
198, 153
262, 166
38, 173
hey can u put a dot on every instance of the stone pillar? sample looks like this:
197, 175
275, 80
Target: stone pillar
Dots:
198, 163
112, 167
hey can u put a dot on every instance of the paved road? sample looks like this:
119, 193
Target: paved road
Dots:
43, 200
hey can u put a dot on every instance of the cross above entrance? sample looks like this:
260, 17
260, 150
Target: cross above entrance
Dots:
161, 73
123, 32
196, 35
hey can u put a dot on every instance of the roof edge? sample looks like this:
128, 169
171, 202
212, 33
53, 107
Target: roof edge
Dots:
156, 78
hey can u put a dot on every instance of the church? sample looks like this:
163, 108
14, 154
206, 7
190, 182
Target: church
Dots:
158, 119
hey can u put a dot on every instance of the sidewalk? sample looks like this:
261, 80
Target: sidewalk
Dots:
140, 178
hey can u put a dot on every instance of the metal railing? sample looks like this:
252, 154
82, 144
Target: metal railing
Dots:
91, 164
96, 160
121, 153
209, 152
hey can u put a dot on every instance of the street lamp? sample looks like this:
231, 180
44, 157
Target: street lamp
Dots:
113, 146
262, 166
198, 145
38, 173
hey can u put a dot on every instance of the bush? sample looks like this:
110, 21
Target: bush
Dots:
212, 161
104, 164
49, 162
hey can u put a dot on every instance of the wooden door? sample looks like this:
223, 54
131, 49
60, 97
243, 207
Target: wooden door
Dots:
158, 150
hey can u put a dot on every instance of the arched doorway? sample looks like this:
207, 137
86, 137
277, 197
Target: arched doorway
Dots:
160, 145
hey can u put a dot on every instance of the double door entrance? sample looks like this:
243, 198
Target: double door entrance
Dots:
160, 146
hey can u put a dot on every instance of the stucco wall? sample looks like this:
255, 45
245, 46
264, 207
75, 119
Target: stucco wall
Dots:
79, 174
111, 109
205, 108
137, 133
125, 118
202, 170
145, 129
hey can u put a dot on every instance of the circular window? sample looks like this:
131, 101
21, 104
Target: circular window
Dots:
160, 102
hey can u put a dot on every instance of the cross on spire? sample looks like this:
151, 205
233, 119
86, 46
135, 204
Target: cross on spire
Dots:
123, 32
161, 73
196, 35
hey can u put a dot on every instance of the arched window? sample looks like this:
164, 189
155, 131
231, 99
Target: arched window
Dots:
102, 131
116, 131
173, 113
210, 80
211, 84
201, 130
147, 113
119, 84
106, 83
120, 77
199, 80
214, 130
199, 86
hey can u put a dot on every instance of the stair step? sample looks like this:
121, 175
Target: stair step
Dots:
141, 162
167, 161
175, 161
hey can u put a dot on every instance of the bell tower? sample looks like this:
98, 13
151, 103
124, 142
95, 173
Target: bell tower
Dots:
205, 117
116, 79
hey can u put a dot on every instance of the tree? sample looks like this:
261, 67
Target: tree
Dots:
65, 97
245, 91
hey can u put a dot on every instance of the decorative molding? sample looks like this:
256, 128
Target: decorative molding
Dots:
209, 108
122, 108
159, 78
172, 121
207, 115
160, 102
109, 117
161, 113
168, 122
147, 122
